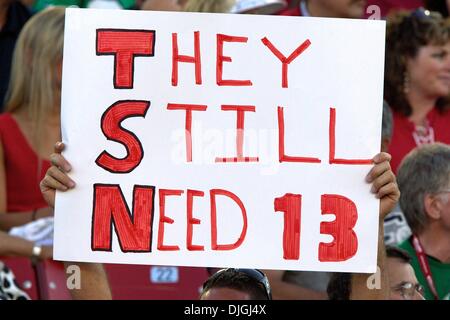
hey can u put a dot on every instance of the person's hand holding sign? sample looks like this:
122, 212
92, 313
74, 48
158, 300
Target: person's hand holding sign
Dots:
384, 184
56, 177
94, 282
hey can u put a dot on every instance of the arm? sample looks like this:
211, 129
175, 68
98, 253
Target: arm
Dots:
18, 247
385, 188
282, 290
11, 220
94, 281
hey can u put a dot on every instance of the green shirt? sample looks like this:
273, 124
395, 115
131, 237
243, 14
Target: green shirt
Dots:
41, 4
440, 272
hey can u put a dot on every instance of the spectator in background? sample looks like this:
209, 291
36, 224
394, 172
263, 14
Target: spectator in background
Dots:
441, 6
417, 81
388, 7
424, 181
237, 284
31, 123
403, 281
13, 15
328, 8
31, 85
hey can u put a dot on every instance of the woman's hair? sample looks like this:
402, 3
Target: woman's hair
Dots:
34, 81
406, 34
213, 6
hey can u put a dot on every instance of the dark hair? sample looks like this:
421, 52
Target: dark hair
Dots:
252, 281
394, 252
406, 34
437, 5
339, 287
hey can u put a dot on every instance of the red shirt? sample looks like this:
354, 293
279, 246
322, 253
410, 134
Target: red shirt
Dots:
403, 141
387, 5
23, 168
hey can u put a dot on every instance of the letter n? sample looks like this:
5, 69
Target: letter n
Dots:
134, 230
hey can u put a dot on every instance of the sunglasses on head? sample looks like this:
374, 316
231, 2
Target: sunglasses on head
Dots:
254, 274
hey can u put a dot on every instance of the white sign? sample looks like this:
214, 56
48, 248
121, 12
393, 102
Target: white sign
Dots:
220, 140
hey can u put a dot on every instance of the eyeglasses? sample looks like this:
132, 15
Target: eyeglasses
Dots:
408, 290
254, 274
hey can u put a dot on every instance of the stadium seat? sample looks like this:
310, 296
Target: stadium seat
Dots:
139, 282
52, 280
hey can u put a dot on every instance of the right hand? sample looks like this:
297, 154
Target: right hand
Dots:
56, 177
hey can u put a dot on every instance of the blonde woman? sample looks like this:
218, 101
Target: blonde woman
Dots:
31, 124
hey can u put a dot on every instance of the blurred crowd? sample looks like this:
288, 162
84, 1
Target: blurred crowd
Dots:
415, 132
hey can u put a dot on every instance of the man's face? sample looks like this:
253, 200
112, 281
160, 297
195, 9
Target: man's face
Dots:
444, 198
403, 280
343, 8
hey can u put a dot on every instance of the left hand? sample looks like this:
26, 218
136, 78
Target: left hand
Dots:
384, 183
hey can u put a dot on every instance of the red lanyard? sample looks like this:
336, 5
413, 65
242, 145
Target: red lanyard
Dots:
424, 266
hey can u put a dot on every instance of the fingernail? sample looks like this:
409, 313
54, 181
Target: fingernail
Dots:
67, 167
71, 184
368, 178
372, 189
